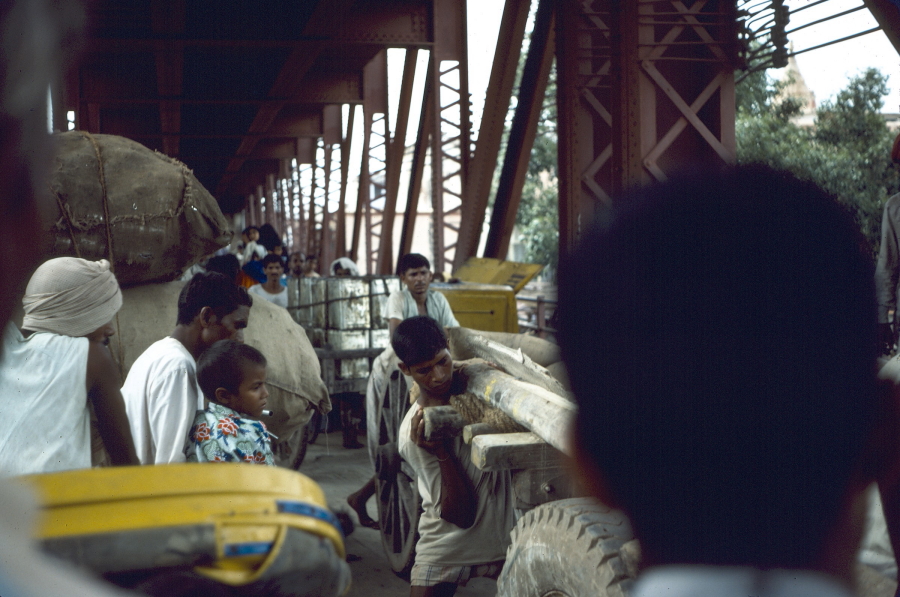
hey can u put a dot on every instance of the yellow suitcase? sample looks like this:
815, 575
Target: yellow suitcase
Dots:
258, 529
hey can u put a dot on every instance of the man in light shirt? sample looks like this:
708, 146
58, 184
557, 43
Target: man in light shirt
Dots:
417, 298
161, 392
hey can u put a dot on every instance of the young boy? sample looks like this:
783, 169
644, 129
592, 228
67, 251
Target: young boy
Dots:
416, 299
233, 378
467, 513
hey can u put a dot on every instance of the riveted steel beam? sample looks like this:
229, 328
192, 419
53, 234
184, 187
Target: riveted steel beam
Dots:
636, 103
451, 148
493, 123
522, 132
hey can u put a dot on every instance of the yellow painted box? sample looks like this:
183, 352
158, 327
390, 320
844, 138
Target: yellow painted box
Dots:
488, 307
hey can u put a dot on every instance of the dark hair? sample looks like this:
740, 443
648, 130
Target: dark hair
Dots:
227, 265
719, 334
221, 366
269, 237
418, 339
300, 253
272, 258
411, 261
213, 290
248, 229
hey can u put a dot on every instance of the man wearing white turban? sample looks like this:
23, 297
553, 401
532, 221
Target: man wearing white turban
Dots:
60, 361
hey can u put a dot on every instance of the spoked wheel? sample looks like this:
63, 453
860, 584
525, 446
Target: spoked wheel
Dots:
399, 504
314, 427
290, 452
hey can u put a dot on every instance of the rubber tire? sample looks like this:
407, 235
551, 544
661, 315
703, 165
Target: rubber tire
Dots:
570, 548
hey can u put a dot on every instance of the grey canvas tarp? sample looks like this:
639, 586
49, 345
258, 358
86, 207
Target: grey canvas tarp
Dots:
143, 211
294, 381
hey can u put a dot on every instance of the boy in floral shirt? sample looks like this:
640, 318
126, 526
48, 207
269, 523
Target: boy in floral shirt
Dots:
233, 378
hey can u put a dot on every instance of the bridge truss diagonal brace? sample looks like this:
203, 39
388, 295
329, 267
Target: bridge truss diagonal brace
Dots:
627, 71
451, 148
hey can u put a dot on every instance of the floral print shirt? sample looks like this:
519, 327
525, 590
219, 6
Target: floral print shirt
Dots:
220, 434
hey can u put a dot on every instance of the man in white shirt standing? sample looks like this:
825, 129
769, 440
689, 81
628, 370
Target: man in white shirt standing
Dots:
272, 290
416, 298
737, 427
161, 392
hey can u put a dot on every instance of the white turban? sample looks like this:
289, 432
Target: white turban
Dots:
344, 263
71, 297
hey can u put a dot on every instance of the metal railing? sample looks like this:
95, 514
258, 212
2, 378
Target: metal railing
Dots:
536, 320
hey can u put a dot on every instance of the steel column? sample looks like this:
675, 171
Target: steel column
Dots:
263, 205
521, 135
493, 123
284, 201
272, 202
311, 238
396, 150
451, 136
331, 127
375, 111
426, 125
327, 239
362, 191
306, 156
341, 232
644, 88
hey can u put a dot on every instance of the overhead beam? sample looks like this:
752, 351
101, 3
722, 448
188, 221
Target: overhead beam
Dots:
324, 88
385, 22
287, 83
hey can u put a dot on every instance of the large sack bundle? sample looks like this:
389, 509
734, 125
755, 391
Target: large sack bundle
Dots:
144, 211
294, 380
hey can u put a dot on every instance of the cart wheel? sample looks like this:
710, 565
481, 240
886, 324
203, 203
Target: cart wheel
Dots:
399, 504
289, 453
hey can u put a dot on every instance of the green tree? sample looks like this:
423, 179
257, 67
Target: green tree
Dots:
538, 215
847, 152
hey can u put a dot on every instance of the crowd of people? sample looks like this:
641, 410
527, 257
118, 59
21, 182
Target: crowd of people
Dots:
720, 331
705, 347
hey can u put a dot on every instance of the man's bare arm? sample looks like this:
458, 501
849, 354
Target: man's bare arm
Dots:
458, 500
103, 391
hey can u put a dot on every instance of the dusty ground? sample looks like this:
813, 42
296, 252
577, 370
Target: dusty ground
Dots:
340, 472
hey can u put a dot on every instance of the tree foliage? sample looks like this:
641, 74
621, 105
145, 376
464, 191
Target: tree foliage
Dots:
847, 152
538, 216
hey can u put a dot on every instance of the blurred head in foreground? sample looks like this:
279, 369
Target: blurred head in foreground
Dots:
719, 332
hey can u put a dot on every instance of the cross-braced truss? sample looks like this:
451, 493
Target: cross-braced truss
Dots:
643, 85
